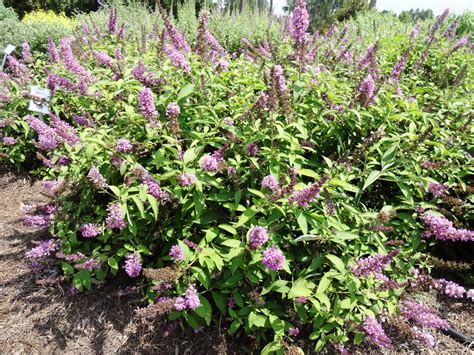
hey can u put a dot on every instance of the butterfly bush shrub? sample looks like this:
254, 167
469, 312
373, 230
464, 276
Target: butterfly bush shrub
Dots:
289, 193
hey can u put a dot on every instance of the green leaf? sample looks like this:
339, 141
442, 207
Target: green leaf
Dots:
257, 320
324, 283
228, 228
234, 326
189, 155
301, 288
185, 92
373, 176
85, 277
115, 190
67, 268
153, 204
244, 217
338, 263
323, 299
113, 263
204, 310
272, 347
302, 222
202, 276
140, 206
220, 302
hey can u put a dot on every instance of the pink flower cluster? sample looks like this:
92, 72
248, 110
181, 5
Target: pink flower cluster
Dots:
186, 179
374, 265
307, 195
375, 333
273, 258
189, 301
257, 236
437, 190
176, 253
115, 217
269, 182
133, 265
90, 230
421, 314
442, 229
43, 249
96, 178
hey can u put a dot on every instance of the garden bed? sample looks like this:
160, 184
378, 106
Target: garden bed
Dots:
37, 318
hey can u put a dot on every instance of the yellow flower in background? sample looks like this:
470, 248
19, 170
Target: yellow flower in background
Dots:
48, 17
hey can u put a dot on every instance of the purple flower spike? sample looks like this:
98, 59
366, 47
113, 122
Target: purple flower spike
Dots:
176, 253
273, 259
133, 266
258, 236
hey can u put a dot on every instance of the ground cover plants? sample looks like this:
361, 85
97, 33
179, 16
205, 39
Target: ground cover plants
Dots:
290, 190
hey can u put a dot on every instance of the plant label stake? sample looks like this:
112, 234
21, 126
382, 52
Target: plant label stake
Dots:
8, 50
39, 100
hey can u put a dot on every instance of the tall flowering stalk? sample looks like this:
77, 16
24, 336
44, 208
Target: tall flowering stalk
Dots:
172, 113
26, 52
70, 62
421, 315
52, 50
375, 333
176, 38
177, 58
374, 265
299, 26
147, 104
442, 229
112, 23
207, 45
307, 195
279, 90
430, 38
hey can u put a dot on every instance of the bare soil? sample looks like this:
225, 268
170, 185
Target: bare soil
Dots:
40, 319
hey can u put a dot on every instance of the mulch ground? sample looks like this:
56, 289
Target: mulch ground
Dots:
40, 319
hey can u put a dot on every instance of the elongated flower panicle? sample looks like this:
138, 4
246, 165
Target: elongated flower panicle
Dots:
279, 90
415, 31
421, 315
437, 190
258, 236
9, 141
207, 45
70, 62
43, 249
269, 182
252, 149
104, 59
64, 131
464, 41
17, 69
442, 229
375, 333
88, 264
147, 104
299, 22
90, 230
178, 40
209, 163
47, 136
172, 113
133, 265
273, 259
177, 58
123, 145
373, 265
112, 23
96, 178
176, 252
114, 218
26, 52
53, 187
186, 179
366, 89
189, 301
307, 195
52, 50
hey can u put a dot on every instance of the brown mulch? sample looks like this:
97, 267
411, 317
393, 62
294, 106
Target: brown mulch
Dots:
42, 319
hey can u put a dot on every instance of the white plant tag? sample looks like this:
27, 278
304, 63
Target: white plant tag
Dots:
9, 49
39, 99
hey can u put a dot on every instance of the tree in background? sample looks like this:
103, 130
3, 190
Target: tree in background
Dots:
415, 15
324, 12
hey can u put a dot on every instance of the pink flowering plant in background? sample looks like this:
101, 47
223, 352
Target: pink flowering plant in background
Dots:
251, 189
